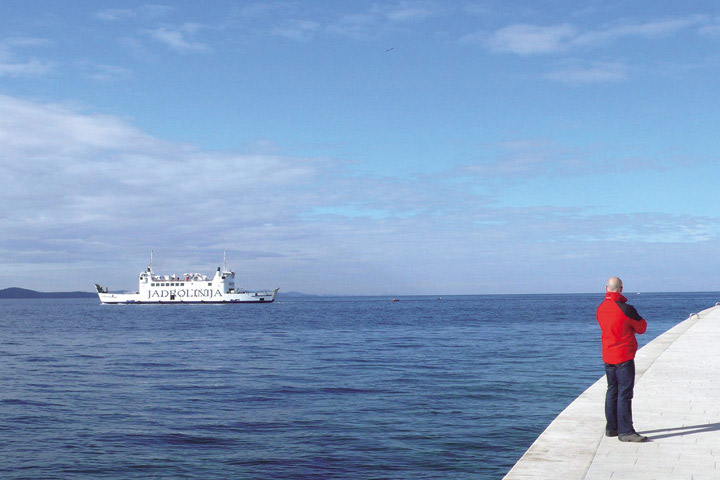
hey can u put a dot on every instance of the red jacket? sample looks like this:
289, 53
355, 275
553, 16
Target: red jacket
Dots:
619, 323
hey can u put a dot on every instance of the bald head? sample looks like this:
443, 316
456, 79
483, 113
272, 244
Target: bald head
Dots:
614, 284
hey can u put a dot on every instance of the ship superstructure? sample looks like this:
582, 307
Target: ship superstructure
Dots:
187, 288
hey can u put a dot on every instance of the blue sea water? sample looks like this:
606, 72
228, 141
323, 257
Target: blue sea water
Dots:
304, 388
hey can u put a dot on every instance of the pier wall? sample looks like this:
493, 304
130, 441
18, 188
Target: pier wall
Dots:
568, 446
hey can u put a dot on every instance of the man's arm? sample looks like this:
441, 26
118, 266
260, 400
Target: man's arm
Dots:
638, 324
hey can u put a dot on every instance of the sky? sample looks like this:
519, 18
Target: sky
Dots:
361, 147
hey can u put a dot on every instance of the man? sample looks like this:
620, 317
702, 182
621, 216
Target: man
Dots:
619, 323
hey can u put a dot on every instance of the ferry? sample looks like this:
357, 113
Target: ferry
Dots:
186, 288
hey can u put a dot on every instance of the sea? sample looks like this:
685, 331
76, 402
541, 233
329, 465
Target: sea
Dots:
426, 387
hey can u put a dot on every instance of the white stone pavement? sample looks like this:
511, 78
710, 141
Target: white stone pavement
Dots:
676, 404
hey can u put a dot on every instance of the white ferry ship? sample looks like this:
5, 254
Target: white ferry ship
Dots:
186, 288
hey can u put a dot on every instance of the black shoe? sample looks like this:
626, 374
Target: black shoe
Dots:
632, 437
611, 433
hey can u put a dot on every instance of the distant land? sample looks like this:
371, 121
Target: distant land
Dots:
296, 294
14, 292
20, 293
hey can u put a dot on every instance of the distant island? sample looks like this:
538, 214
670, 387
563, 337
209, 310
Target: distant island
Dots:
14, 292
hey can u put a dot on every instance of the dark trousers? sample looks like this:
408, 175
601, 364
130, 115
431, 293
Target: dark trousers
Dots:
618, 400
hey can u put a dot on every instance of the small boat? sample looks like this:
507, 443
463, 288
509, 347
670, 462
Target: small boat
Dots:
186, 288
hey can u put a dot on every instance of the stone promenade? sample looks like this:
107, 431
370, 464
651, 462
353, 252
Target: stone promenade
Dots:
676, 404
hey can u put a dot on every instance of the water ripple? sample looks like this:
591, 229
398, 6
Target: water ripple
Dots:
337, 388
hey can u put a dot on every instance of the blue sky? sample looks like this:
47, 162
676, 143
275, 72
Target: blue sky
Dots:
350, 147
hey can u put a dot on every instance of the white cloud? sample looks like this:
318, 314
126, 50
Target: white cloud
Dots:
712, 28
11, 66
114, 14
406, 11
526, 39
20, 42
298, 30
530, 39
532, 158
522, 159
179, 38
302, 21
86, 196
69, 173
577, 72
144, 12
382, 18
357, 25
30, 68
277, 9
647, 30
33, 131
647, 228
107, 73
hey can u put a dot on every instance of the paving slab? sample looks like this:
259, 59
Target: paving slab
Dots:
676, 405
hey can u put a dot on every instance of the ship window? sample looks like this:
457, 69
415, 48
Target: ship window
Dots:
209, 284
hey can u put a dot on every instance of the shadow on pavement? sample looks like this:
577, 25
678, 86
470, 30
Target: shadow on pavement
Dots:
679, 431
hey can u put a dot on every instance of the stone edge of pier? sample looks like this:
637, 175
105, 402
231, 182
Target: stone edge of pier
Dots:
568, 445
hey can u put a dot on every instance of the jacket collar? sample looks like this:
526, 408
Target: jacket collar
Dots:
615, 297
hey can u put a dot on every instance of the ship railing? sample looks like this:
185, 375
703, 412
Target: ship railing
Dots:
174, 278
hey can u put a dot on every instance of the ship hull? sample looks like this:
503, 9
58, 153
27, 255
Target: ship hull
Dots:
217, 298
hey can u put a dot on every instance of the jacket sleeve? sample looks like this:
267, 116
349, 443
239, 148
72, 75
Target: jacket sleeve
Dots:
637, 323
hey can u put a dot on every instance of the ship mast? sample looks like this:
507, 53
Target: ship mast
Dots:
224, 262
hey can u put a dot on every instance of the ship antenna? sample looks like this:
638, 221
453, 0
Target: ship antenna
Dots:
224, 262
150, 267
